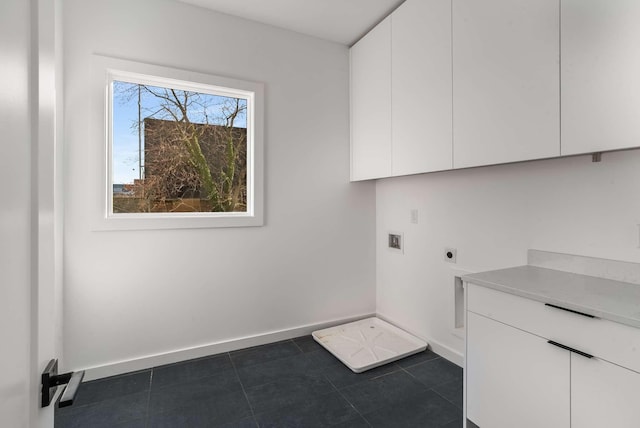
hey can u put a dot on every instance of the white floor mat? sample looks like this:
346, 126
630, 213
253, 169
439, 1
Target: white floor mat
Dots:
368, 343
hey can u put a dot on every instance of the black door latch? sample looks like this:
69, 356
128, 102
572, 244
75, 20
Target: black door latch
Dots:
51, 380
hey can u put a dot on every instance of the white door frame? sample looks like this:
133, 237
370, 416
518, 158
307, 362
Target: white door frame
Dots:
47, 220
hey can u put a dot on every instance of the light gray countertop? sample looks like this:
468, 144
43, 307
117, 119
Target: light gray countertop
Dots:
604, 298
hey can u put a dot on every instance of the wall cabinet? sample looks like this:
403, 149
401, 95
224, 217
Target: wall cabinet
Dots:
506, 96
600, 69
421, 87
371, 104
514, 377
447, 84
401, 93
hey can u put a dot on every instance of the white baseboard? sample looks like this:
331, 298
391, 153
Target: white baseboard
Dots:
447, 352
437, 347
147, 362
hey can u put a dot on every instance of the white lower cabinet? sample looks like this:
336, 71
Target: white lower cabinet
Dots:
603, 394
514, 376
514, 379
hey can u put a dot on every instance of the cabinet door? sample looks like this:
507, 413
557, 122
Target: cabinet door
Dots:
371, 104
421, 87
603, 394
600, 69
506, 78
513, 378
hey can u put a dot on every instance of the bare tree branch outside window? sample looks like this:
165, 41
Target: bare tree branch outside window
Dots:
193, 151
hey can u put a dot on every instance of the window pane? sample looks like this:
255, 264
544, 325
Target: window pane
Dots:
177, 151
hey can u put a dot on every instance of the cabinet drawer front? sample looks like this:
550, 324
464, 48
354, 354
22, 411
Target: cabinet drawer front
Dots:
614, 342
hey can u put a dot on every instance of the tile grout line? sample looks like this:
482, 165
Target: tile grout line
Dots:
402, 369
246, 397
394, 370
412, 376
147, 418
79, 409
347, 400
422, 362
297, 346
398, 368
240, 351
440, 395
336, 389
417, 364
433, 388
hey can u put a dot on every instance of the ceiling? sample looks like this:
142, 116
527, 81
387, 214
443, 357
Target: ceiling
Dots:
342, 21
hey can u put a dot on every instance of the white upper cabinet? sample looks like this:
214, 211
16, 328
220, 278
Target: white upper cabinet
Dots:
421, 87
600, 75
446, 84
371, 104
506, 96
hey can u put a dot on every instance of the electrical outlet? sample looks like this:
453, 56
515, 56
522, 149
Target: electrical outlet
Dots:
450, 255
414, 216
395, 242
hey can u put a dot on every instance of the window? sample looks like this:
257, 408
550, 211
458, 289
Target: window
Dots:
177, 150
183, 149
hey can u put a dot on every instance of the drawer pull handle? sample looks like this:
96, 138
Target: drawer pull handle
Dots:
570, 310
575, 351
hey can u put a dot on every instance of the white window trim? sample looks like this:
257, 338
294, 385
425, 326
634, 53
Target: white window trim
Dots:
104, 71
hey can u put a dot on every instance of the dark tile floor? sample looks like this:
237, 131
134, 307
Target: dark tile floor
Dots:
294, 383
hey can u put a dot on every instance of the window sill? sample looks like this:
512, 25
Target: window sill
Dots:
176, 221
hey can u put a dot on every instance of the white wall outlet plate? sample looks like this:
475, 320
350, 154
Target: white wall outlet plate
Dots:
450, 255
